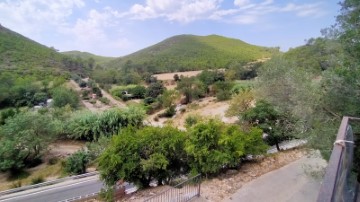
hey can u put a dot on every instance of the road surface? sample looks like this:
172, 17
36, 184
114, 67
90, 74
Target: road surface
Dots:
57, 192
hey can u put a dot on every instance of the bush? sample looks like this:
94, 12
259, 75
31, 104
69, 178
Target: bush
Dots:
37, 180
213, 146
16, 184
63, 96
170, 112
76, 163
53, 160
104, 100
97, 91
223, 95
92, 101
192, 120
82, 84
149, 100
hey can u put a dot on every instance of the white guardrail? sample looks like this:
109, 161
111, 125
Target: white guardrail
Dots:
10, 191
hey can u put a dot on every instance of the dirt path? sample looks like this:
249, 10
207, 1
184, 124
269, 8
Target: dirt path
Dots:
113, 101
98, 106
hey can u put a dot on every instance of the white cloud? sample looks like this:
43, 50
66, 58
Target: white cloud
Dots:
251, 13
243, 12
173, 10
241, 2
94, 33
32, 17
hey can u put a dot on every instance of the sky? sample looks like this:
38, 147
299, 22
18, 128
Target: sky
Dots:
120, 27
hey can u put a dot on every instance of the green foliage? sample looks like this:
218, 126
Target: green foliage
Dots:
192, 120
24, 56
176, 77
76, 163
90, 126
143, 155
96, 148
28, 90
168, 98
63, 96
210, 77
6, 113
212, 146
169, 112
278, 126
223, 90
136, 91
154, 90
24, 138
148, 100
104, 100
191, 88
97, 91
317, 55
37, 180
91, 59
240, 103
189, 52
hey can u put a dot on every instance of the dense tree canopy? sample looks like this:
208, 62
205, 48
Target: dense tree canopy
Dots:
24, 138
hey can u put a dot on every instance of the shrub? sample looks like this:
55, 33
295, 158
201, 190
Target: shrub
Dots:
82, 84
76, 163
63, 96
37, 180
97, 91
213, 146
170, 112
92, 101
149, 100
16, 184
191, 120
104, 100
53, 160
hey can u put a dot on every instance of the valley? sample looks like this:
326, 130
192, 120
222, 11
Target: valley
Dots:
188, 105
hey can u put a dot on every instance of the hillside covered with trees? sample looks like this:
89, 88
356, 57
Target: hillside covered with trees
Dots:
93, 59
191, 52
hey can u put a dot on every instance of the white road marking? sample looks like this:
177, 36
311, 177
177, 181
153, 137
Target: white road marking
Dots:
59, 187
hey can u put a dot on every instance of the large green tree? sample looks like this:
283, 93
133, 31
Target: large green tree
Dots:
143, 155
212, 146
24, 138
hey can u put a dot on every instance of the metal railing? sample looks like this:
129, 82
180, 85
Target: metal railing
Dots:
338, 184
47, 183
182, 192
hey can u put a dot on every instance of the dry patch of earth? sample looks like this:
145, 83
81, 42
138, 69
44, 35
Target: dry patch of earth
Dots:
207, 107
170, 76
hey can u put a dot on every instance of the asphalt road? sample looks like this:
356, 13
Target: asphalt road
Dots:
57, 192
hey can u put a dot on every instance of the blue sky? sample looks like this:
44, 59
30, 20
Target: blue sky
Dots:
117, 28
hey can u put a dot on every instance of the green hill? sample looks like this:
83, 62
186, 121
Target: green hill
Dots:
24, 56
190, 52
101, 60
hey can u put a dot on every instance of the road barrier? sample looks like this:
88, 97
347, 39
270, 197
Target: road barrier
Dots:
182, 192
10, 191
339, 183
